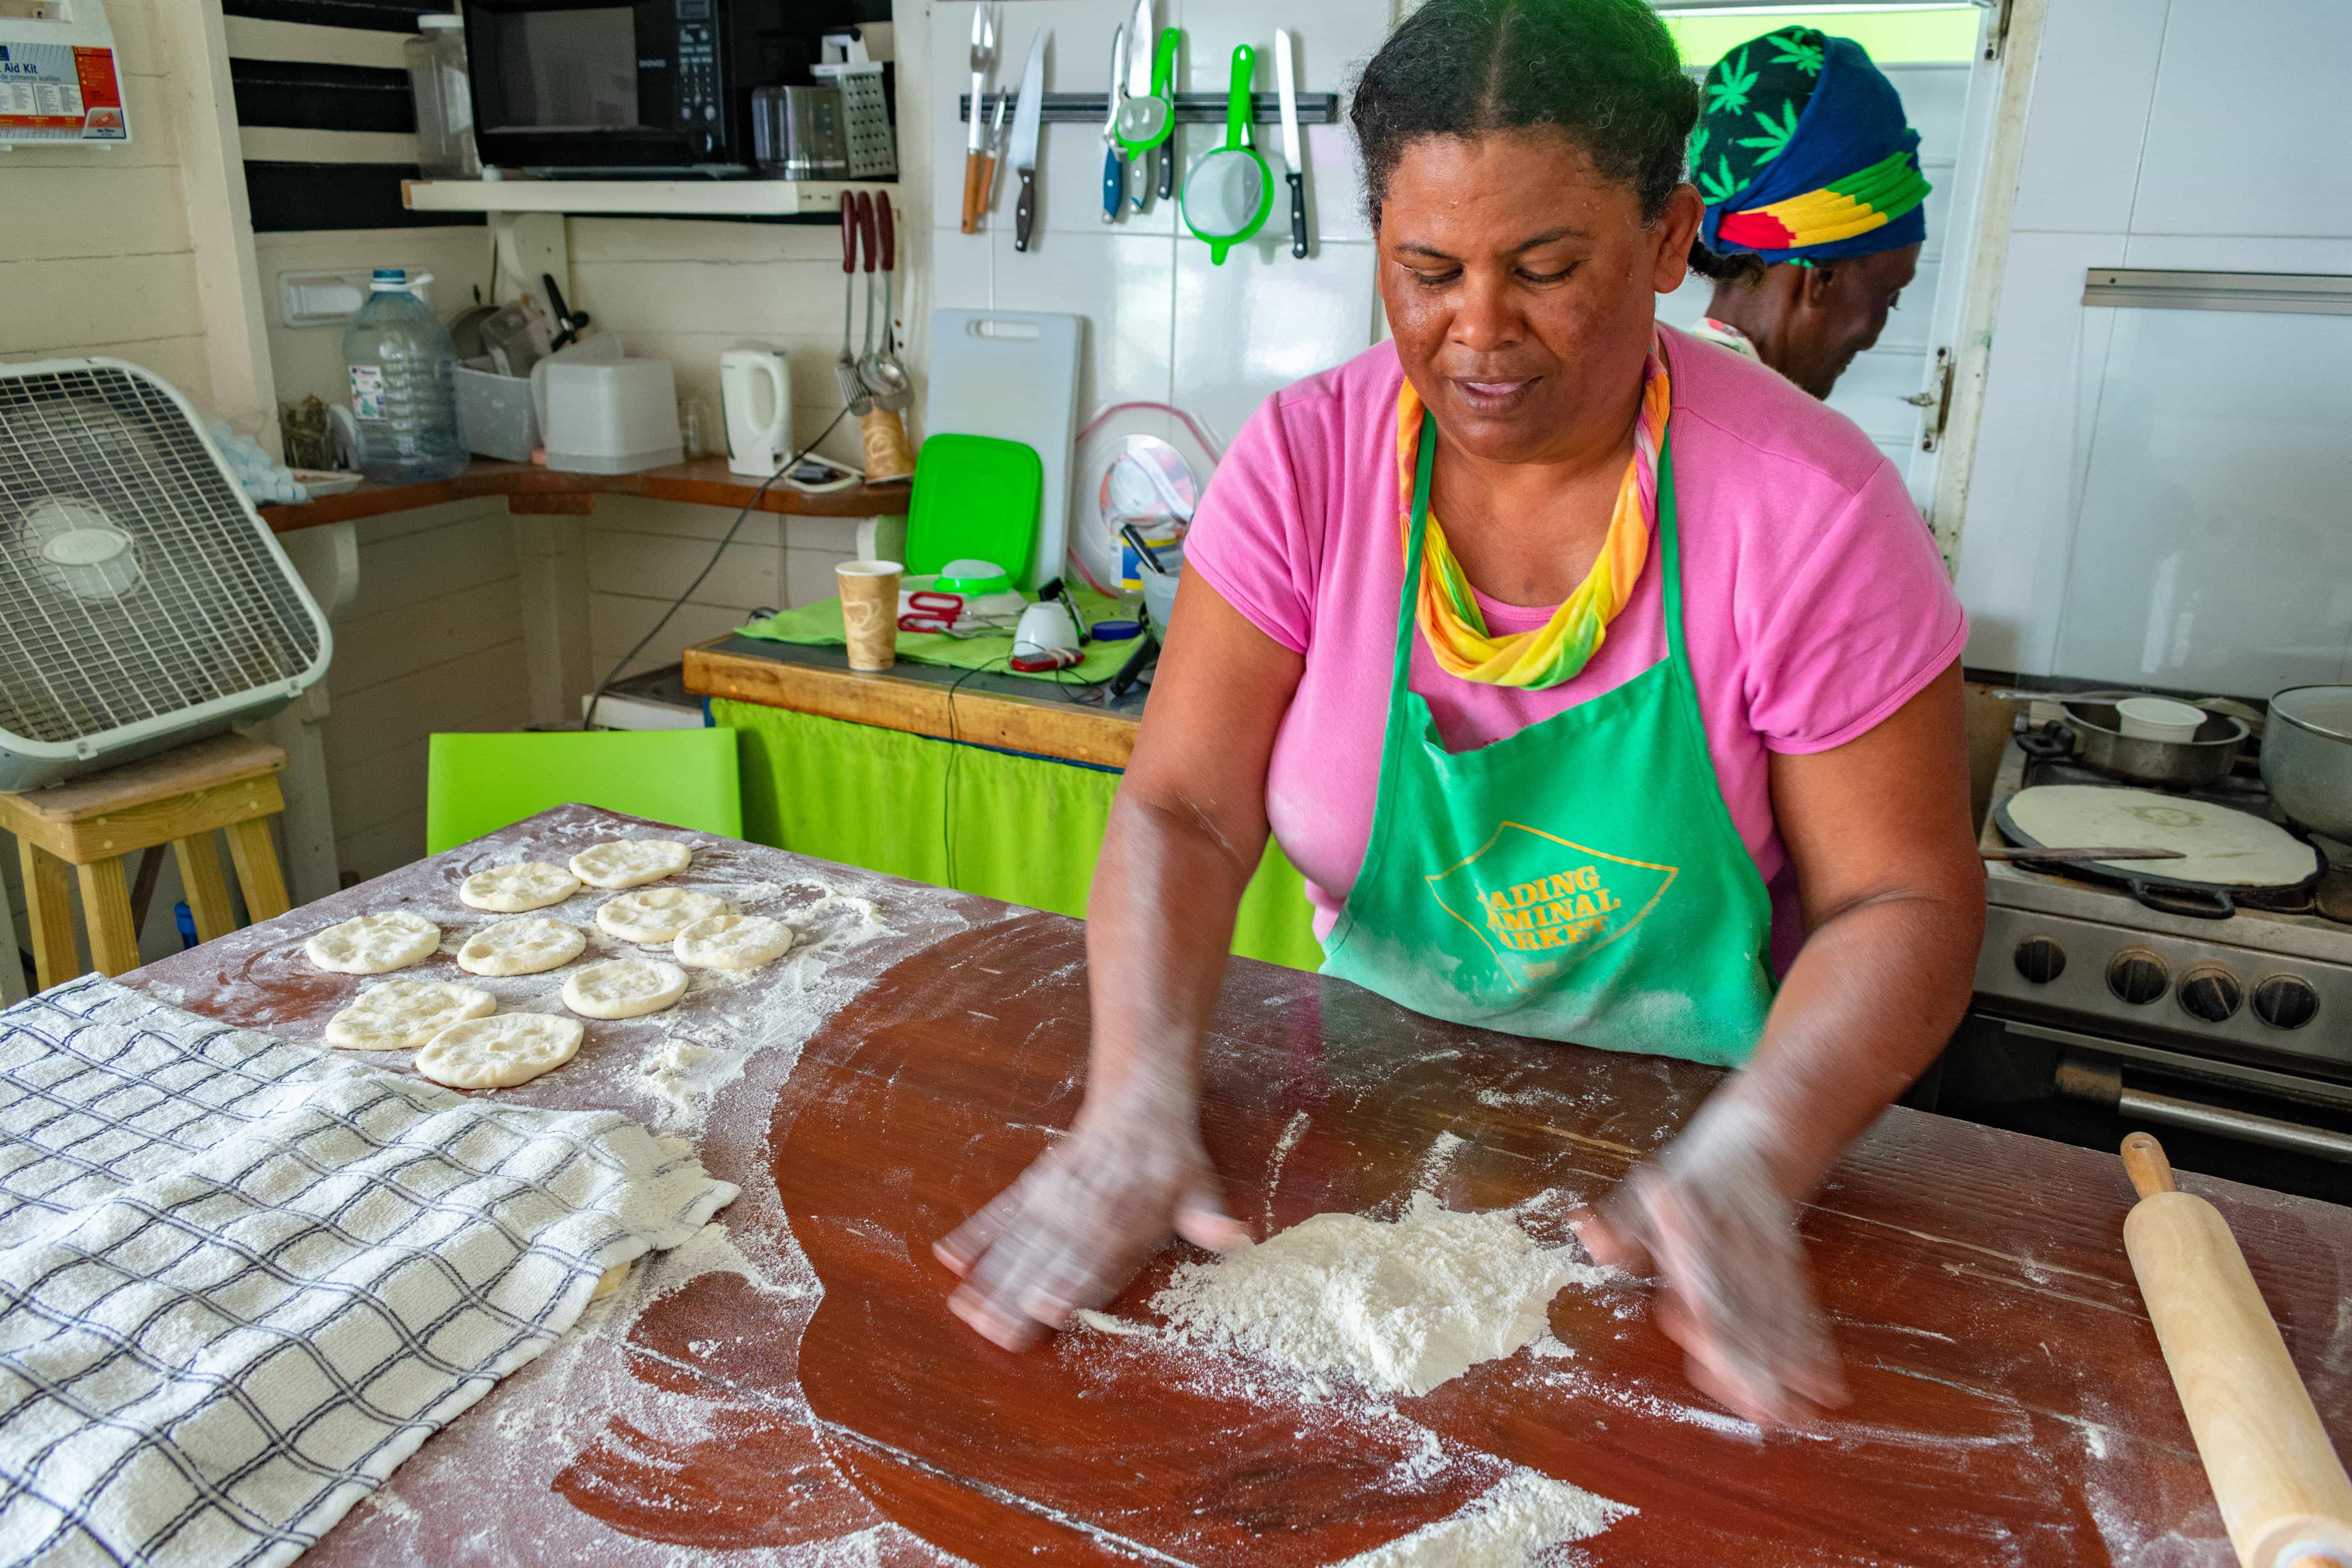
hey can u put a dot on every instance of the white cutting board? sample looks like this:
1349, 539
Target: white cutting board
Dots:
1013, 375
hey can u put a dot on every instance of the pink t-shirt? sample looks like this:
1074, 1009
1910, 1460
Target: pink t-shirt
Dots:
1814, 602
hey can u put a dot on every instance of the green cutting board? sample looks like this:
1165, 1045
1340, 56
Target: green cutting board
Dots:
976, 498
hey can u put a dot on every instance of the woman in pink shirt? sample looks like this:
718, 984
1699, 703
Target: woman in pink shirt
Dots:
1652, 744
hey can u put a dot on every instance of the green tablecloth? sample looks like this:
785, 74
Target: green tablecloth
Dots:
1023, 829
819, 624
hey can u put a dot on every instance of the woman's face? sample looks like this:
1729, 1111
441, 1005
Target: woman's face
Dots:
1520, 287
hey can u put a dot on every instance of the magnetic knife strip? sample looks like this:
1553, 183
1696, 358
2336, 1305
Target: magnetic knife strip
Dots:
1200, 108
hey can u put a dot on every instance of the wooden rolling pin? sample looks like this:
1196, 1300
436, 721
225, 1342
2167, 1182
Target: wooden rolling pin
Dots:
2284, 1496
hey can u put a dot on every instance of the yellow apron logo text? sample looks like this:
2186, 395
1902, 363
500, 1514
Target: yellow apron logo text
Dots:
1538, 916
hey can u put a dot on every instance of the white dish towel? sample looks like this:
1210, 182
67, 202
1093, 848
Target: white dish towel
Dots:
240, 1279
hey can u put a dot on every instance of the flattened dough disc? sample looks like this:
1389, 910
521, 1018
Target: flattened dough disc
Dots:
631, 862
2220, 845
530, 944
518, 888
372, 944
402, 1015
624, 988
653, 915
500, 1052
732, 941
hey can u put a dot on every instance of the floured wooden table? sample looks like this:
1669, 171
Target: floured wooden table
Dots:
791, 1389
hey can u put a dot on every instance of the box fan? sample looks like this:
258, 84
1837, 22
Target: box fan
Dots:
143, 603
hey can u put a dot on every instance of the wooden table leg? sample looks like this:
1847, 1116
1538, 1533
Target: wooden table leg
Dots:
250, 845
207, 889
106, 912
49, 910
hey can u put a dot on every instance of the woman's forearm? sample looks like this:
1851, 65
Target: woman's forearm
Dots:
1873, 996
1159, 922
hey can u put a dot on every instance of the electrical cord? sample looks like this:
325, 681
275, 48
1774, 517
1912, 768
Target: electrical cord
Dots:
588, 720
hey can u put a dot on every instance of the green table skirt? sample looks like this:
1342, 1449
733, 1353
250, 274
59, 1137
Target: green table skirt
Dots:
1023, 829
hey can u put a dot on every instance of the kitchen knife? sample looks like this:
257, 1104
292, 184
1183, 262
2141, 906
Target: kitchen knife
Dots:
1285, 86
1114, 191
1025, 139
983, 60
1141, 39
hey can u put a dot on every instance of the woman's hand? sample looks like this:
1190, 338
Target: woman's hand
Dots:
1081, 1220
1708, 1217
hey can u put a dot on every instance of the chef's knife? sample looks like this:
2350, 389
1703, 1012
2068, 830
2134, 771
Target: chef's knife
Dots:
1025, 139
1114, 189
1141, 39
1285, 86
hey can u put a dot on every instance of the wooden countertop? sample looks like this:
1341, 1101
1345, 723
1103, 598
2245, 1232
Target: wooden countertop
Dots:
810, 1389
707, 481
1073, 723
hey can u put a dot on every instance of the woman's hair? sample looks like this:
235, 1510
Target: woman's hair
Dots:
1742, 266
1604, 72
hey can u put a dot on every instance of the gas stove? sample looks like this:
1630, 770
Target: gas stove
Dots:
2238, 1030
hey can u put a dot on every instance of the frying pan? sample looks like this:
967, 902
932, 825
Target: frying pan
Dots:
2100, 741
2166, 895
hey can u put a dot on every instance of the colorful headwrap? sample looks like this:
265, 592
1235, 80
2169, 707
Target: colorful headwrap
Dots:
1803, 153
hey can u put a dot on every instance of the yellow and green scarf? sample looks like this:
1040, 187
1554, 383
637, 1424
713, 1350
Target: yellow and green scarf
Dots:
1447, 611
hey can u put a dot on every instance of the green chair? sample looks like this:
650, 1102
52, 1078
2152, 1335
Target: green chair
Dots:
478, 783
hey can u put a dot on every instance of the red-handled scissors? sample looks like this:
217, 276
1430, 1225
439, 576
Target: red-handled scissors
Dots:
929, 612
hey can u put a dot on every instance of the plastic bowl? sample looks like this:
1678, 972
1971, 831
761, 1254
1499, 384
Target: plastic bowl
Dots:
2158, 719
1160, 587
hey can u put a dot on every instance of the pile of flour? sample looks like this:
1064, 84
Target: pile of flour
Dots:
1399, 1308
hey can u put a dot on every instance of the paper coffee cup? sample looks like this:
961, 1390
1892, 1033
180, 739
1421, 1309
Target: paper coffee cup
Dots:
869, 611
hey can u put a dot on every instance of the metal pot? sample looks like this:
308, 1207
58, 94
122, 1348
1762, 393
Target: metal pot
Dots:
2307, 757
2101, 744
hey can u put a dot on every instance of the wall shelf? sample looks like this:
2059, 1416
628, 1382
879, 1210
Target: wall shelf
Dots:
653, 198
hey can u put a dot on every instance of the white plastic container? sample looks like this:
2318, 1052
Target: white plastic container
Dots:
445, 101
602, 413
1160, 587
2158, 719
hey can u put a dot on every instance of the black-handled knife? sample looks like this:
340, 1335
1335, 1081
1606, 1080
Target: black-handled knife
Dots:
1025, 120
1297, 212
1294, 149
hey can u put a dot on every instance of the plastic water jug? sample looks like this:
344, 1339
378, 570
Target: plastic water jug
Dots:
403, 371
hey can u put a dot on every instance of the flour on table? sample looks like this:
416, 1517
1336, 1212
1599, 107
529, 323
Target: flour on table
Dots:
631, 862
1506, 1527
518, 888
1399, 1308
681, 1076
371, 944
402, 1015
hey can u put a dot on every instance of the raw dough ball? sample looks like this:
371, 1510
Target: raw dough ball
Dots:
402, 1015
732, 941
656, 914
520, 947
624, 988
501, 1052
518, 888
371, 944
631, 862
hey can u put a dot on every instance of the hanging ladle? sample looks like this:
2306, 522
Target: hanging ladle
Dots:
882, 372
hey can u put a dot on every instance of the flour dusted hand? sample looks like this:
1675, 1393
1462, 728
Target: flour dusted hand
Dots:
1707, 1218
1081, 1220
373, 944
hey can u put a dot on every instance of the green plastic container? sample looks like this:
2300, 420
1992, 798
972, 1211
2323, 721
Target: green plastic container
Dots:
976, 498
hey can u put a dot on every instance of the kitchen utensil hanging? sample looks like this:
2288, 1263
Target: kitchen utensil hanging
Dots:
844, 369
887, 453
985, 23
1229, 193
1294, 146
1114, 175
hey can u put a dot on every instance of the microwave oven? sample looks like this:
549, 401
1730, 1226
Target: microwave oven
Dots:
574, 87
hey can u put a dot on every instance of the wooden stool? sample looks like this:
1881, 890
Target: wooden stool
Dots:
177, 798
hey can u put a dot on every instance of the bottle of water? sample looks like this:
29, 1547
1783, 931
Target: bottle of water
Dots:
404, 385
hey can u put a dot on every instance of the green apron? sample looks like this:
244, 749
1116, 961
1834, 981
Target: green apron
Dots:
1579, 880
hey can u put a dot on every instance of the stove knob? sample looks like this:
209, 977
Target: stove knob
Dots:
2041, 960
2284, 1002
2137, 976
2211, 993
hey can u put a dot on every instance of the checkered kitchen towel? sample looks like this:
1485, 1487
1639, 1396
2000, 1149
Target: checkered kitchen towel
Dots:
240, 1279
